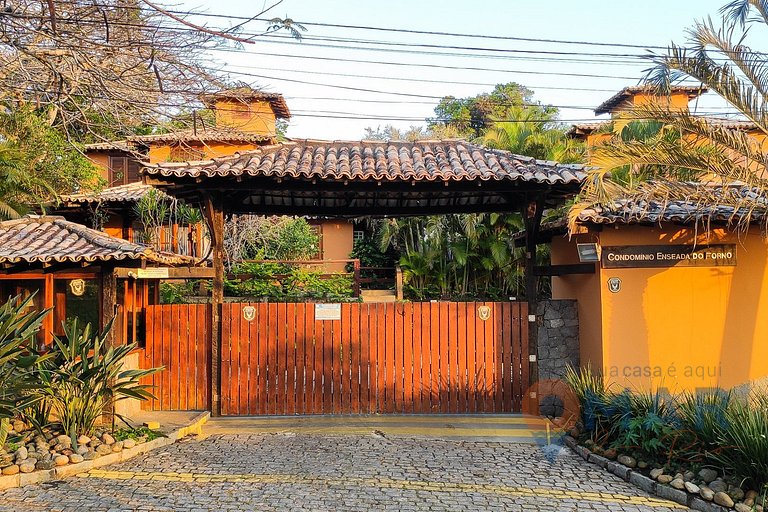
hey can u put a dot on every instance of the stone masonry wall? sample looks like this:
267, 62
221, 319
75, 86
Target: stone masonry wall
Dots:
558, 337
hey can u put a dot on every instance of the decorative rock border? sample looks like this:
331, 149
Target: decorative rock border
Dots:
57, 473
649, 485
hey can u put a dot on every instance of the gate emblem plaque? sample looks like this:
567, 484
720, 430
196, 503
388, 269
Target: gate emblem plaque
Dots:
249, 313
484, 312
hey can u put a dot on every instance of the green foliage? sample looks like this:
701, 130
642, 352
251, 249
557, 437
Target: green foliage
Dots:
84, 377
37, 163
282, 282
250, 237
744, 439
19, 323
715, 428
457, 256
470, 117
135, 433
177, 292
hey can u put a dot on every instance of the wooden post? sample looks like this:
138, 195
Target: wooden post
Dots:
398, 283
532, 212
356, 270
175, 238
109, 302
48, 304
214, 213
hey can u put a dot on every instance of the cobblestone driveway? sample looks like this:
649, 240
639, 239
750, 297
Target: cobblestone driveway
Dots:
339, 472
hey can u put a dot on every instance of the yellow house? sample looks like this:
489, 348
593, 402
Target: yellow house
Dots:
244, 119
678, 297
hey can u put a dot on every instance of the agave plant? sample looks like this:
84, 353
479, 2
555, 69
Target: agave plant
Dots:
85, 378
18, 325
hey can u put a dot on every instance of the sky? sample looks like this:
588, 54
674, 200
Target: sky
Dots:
404, 74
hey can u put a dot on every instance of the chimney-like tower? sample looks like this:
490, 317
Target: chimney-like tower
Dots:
246, 110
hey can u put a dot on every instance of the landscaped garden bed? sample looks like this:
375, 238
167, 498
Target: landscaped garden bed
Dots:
55, 400
707, 451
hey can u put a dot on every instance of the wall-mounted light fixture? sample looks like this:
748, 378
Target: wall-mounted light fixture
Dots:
588, 253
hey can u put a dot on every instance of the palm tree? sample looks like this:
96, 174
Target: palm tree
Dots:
527, 135
689, 147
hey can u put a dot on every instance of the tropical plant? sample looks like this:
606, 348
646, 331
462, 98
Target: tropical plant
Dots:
85, 377
471, 117
469, 256
523, 133
19, 323
744, 439
37, 163
689, 146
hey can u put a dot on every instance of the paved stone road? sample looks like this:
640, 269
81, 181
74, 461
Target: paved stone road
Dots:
298, 472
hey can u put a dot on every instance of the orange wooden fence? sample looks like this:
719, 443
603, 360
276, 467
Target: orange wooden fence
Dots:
178, 338
446, 357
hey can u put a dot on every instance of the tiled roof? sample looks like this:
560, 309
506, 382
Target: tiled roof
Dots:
116, 145
49, 239
200, 135
686, 203
732, 124
427, 160
585, 128
617, 99
276, 100
207, 134
129, 193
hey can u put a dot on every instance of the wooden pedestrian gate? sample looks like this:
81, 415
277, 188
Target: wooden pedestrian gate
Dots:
445, 357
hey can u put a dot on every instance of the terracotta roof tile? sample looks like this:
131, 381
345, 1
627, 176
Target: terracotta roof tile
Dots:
617, 99
129, 193
427, 160
48, 239
275, 100
689, 203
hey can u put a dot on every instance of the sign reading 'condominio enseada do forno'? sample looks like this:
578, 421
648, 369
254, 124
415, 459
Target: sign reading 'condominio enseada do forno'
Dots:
652, 256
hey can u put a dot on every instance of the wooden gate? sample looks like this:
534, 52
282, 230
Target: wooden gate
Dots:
446, 357
178, 338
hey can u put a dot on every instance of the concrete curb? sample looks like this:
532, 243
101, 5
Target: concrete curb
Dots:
643, 482
37, 477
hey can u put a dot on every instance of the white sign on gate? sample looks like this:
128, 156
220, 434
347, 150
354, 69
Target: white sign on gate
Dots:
327, 311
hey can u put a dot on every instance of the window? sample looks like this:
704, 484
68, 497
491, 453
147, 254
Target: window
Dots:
118, 170
358, 236
75, 298
184, 153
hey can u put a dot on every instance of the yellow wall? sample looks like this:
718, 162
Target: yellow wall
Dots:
252, 116
162, 153
681, 328
586, 289
337, 242
101, 160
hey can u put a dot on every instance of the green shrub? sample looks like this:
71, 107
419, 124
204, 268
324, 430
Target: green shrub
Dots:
744, 440
19, 324
713, 428
85, 377
281, 282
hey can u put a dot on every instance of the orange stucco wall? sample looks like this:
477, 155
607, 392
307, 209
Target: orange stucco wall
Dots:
681, 328
252, 117
162, 153
337, 242
101, 160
